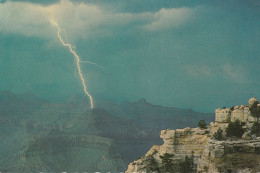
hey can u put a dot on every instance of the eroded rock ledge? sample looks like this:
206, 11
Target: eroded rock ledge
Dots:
207, 153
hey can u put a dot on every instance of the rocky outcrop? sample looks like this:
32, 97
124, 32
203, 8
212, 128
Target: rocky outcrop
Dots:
199, 150
230, 156
180, 143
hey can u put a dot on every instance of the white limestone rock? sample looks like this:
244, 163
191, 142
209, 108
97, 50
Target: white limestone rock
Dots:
222, 115
252, 101
210, 155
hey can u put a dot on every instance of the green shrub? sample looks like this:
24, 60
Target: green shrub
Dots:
218, 135
256, 128
187, 165
167, 162
206, 168
152, 165
202, 124
255, 110
235, 129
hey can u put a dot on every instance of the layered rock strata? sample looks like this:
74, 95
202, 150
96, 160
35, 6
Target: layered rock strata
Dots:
207, 153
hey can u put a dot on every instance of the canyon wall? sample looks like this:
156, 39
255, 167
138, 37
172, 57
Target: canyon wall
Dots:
202, 151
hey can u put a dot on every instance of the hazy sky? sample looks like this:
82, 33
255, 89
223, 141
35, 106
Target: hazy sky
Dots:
191, 54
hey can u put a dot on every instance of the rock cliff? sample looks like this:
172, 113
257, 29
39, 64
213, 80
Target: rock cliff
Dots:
215, 148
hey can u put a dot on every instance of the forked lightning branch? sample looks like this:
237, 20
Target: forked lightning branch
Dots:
78, 61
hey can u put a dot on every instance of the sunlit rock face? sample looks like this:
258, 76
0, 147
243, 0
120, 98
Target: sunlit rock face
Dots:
230, 156
252, 101
207, 153
181, 142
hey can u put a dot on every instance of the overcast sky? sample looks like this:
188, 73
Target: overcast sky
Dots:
200, 55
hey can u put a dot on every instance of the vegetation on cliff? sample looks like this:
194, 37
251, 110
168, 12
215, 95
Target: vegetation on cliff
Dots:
202, 124
152, 165
186, 166
235, 129
218, 135
167, 162
230, 144
255, 109
256, 129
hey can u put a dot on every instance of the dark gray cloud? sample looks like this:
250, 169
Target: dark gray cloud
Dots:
209, 61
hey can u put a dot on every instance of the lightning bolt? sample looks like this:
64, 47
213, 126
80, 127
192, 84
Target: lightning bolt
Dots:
78, 61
